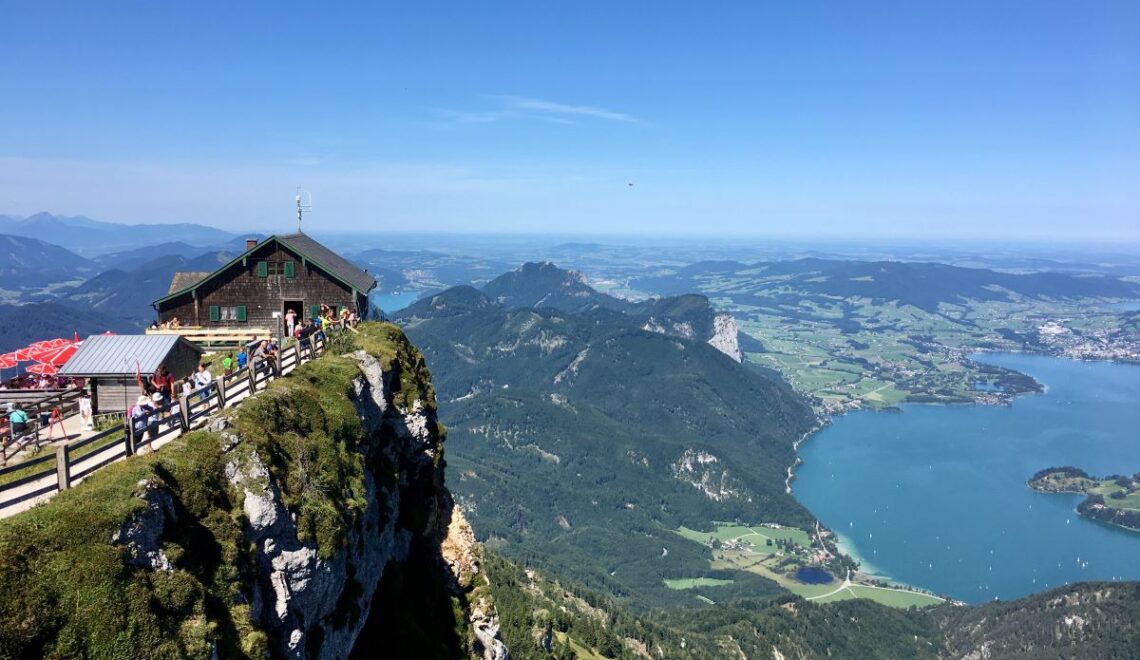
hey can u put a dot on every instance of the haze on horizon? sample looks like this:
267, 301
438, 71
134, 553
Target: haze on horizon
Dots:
924, 120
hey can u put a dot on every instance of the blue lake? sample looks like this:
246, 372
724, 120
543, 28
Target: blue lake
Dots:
936, 496
394, 302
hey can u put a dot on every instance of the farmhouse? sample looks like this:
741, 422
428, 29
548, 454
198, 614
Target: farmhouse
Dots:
262, 284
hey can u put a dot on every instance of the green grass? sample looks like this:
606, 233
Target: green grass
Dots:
764, 560
692, 583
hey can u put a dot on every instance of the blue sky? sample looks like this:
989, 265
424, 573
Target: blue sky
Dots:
956, 119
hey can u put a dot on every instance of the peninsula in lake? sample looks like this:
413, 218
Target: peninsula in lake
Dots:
1113, 499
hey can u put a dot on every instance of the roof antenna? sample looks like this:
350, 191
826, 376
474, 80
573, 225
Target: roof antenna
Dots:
303, 208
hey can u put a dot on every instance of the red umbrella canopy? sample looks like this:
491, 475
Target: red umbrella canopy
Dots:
42, 369
49, 343
55, 356
7, 361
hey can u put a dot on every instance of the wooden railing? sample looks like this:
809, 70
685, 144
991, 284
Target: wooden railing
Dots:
215, 337
38, 479
39, 410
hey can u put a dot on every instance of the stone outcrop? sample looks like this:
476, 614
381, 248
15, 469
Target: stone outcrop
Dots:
726, 336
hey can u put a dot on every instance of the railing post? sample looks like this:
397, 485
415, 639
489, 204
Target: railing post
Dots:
220, 383
251, 373
62, 469
277, 363
184, 412
129, 438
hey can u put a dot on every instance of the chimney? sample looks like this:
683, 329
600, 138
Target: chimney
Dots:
250, 243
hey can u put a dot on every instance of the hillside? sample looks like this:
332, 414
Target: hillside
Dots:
581, 440
29, 266
128, 294
24, 324
311, 517
544, 616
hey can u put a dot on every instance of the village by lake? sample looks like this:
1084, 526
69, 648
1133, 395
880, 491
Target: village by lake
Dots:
936, 496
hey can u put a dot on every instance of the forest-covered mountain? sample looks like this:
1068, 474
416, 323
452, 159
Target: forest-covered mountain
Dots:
26, 323
128, 294
547, 617
922, 284
580, 440
29, 265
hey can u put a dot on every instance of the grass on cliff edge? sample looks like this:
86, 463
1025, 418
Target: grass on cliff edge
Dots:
69, 592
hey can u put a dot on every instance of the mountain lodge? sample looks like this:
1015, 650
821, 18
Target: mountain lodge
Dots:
259, 286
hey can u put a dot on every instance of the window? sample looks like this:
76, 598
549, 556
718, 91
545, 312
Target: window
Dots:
268, 268
234, 313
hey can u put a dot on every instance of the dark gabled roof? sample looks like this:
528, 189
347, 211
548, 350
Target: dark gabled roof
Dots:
313, 252
186, 279
119, 355
329, 261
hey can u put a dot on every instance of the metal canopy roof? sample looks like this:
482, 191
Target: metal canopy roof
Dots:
117, 355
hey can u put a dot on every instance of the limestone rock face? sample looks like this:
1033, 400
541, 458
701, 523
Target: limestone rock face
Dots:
314, 604
726, 336
142, 532
462, 554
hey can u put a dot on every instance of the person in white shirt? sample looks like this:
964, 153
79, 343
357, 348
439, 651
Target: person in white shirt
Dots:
202, 379
85, 410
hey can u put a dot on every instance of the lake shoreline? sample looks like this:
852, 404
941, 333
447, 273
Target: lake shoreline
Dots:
1059, 389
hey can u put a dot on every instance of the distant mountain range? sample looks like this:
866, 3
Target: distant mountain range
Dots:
127, 294
580, 435
922, 284
89, 237
95, 285
29, 265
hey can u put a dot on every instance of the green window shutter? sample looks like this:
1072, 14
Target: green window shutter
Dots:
290, 270
314, 311
215, 313
262, 269
241, 312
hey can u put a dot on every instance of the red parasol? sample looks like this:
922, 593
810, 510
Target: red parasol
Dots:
55, 356
42, 369
8, 361
49, 343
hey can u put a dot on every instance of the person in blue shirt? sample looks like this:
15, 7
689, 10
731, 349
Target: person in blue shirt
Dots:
242, 358
17, 420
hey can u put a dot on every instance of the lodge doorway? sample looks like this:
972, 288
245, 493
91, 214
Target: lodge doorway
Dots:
298, 307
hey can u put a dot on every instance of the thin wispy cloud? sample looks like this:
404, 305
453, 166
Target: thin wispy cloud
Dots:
532, 109
555, 108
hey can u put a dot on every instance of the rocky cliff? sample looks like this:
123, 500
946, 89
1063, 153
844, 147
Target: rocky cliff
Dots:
308, 523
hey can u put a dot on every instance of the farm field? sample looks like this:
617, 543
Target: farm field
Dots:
776, 553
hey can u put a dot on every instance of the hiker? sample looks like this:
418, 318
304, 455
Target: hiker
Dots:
17, 420
140, 414
261, 357
242, 358
156, 403
290, 320
85, 412
228, 364
203, 379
